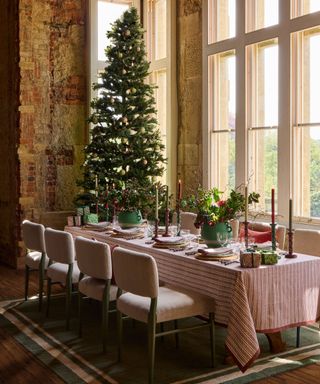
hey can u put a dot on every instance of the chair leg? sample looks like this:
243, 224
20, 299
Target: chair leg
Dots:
41, 281
80, 313
212, 341
26, 283
68, 303
48, 295
105, 317
176, 334
151, 338
119, 328
298, 337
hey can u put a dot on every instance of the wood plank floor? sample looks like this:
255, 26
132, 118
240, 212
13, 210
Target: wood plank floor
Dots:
17, 365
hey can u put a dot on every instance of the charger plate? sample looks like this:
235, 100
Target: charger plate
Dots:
201, 256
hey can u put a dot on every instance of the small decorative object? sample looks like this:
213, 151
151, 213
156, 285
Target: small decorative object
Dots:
166, 234
70, 221
86, 210
250, 259
129, 219
156, 223
269, 257
290, 254
91, 218
78, 221
79, 211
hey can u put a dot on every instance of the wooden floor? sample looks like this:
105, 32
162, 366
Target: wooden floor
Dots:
17, 365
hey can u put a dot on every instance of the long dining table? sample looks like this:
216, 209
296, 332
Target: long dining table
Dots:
248, 301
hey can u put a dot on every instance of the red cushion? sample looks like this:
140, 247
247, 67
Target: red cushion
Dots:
259, 237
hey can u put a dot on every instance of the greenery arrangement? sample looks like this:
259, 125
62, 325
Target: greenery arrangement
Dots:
125, 145
211, 208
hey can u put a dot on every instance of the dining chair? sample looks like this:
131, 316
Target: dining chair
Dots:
63, 268
141, 298
306, 241
265, 229
94, 262
36, 258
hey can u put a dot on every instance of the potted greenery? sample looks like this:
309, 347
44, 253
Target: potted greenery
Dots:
214, 212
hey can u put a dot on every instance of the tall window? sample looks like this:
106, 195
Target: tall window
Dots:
102, 14
261, 61
159, 16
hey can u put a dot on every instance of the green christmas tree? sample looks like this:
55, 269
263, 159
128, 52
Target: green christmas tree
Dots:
125, 145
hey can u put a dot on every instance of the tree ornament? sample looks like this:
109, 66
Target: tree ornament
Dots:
127, 33
120, 55
138, 49
112, 100
128, 91
133, 90
124, 120
142, 130
124, 71
94, 119
145, 162
122, 172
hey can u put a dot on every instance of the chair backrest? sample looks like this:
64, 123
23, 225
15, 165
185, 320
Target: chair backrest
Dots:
264, 227
187, 220
306, 241
33, 236
59, 246
135, 272
93, 258
235, 228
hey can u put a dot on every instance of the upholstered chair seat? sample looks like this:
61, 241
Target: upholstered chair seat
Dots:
141, 298
33, 260
94, 288
306, 241
58, 273
173, 304
36, 257
94, 261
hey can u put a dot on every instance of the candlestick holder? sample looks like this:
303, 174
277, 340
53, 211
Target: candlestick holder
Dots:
290, 255
178, 221
246, 234
166, 233
273, 236
156, 229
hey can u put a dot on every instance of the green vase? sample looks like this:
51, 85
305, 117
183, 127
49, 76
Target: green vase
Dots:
129, 219
209, 234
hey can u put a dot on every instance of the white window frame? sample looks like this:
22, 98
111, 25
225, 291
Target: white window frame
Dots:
169, 65
282, 31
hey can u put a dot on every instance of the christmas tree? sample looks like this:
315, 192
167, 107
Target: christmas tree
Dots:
125, 144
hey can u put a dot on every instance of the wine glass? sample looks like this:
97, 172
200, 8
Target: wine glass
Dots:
223, 239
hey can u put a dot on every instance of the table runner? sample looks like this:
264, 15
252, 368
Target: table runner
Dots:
267, 299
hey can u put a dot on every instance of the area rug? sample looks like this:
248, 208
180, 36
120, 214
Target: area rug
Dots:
80, 360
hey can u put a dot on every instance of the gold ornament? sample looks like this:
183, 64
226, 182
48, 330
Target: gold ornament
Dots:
128, 91
145, 162
124, 120
120, 55
142, 130
122, 172
133, 90
127, 32
124, 71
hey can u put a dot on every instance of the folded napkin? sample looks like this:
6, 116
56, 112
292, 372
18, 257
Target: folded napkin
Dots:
265, 245
99, 227
216, 251
129, 232
170, 240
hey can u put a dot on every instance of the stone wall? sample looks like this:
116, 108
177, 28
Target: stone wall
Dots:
9, 116
53, 104
189, 77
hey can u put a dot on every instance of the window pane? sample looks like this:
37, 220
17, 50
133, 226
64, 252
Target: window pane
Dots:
221, 19
304, 7
265, 85
264, 162
224, 144
160, 22
261, 14
107, 14
223, 68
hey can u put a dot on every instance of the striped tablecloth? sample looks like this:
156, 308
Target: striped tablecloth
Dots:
267, 299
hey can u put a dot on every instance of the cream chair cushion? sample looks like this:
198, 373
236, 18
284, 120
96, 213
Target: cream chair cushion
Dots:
57, 272
59, 246
94, 288
306, 241
94, 258
135, 272
173, 303
33, 260
33, 236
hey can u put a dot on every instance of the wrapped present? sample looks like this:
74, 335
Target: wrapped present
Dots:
86, 210
91, 218
250, 259
269, 257
70, 221
79, 211
78, 221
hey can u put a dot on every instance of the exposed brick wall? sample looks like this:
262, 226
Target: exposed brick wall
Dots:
53, 103
9, 128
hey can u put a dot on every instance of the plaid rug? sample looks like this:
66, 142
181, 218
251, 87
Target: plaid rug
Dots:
80, 360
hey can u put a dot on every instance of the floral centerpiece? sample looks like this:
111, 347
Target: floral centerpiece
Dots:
213, 210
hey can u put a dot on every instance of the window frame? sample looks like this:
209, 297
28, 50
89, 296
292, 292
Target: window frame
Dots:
283, 32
